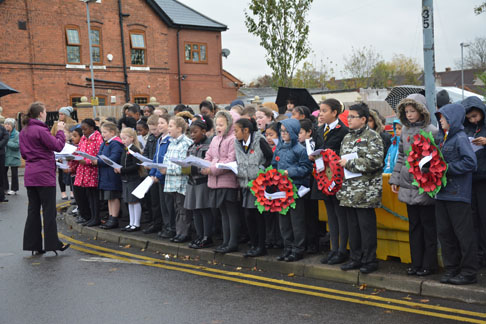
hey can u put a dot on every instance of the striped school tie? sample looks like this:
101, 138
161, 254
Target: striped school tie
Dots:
326, 131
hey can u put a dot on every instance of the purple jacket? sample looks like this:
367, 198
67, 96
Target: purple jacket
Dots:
37, 147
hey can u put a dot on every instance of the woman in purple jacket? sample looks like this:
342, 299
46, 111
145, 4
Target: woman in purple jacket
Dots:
37, 147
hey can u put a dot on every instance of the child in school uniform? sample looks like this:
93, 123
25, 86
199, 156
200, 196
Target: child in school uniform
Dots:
76, 134
252, 154
413, 114
453, 202
197, 192
292, 157
223, 193
359, 196
175, 179
110, 182
131, 177
474, 126
329, 136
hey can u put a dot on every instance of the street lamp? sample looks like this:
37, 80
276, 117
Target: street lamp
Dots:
462, 66
90, 51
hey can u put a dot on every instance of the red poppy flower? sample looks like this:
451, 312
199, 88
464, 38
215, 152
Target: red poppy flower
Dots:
338, 126
277, 158
358, 140
252, 151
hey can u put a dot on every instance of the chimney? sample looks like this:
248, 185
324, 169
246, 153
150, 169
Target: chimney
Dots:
448, 69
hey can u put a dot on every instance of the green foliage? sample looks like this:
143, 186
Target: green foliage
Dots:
312, 75
400, 70
480, 9
283, 30
359, 66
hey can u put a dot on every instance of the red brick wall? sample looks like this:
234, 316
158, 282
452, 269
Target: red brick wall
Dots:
33, 61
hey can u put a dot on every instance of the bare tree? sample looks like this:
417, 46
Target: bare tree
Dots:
476, 54
360, 64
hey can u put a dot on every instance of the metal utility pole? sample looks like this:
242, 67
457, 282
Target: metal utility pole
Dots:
429, 58
93, 96
462, 67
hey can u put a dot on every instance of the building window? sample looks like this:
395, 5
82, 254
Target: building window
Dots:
196, 52
73, 45
101, 100
96, 50
138, 48
75, 99
141, 100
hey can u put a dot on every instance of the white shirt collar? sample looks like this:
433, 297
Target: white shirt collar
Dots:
247, 143
333, 124
111, 139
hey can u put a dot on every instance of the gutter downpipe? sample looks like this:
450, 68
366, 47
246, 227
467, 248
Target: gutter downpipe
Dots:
179, 67
125, 76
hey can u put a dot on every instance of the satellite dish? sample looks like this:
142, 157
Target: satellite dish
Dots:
226, 52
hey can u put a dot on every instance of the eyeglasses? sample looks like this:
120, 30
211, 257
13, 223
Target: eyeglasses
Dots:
284, 131
353, 117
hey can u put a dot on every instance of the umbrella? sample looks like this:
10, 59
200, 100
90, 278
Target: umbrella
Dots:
300, 96
6, 90
398, 93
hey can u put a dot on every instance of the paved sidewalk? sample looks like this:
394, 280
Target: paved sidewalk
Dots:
390, 276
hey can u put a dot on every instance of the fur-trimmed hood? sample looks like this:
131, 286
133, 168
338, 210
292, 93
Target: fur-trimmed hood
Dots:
379, 125
417, 101
231, 118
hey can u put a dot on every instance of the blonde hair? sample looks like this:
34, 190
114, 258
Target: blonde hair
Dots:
110, 126
153, 120
267, 111
133, 134
179, 122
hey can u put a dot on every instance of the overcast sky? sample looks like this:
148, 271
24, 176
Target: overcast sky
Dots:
390, 26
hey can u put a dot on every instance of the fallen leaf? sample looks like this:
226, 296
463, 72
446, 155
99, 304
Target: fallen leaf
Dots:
113, 269
407, 298
388, 311
291, 274
36, 263
142, 250
127, 246
90, 283
95, 238
254, 269
186, 257
363, 286
239, 268
304, 315
424, 300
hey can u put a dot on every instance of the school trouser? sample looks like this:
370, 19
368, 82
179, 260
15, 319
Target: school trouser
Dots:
479, 216
455, 231
14, 185
292, 228
203, 222
88, 200
45, 198
362, 234
230, 223
311, 221
2, 177
338, 225
154, 206
255, 223
60, 180
272, 229
167, 209
183, 219
423, 236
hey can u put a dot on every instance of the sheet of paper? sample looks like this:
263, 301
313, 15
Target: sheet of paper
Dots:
143, 187
348, 174
303, 191
86, 155
153, 165
180, 162
320, 166
197, 162
67, 149
275, 140
308, 146
139, 156
424, 161
316, 152
474, 146
233, 166
68, 157
110, 162
62, 166
275, 195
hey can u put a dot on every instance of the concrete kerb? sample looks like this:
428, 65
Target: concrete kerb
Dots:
309, 267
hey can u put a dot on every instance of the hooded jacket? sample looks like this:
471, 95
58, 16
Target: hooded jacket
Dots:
257, 156
476, 130
458, 154
392, 153
12, 152
108, 179
408, 193
292, 156
222, 150
87, 174
161, 148
380, 129
37, 147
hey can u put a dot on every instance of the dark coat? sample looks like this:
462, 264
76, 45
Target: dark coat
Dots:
478, 130
199, 150
161, 145
4, 136
150, 146
108, 179
458, 154
130, 169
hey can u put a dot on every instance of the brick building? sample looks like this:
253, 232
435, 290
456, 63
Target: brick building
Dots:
172, 52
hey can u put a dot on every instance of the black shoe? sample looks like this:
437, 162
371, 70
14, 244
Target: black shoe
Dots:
80, 220
259, 252
124, 229
172, 239
110, 224
338, 258
284, 254
412, 271
312, 249
351, 265
448, 275
195, 243
425, 272
166, 234
62, 248
368, 268
329, 256
461, 279
92, 223
249, 252
133, 228
294, 257
220, 248
228, 249
181, 239
38, 252
3, 200
151, 229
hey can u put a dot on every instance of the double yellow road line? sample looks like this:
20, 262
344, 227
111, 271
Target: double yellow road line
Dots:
282, 285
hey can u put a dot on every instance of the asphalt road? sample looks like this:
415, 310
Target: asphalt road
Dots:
100, 282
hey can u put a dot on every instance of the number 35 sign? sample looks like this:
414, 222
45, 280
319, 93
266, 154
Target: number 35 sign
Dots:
426, 18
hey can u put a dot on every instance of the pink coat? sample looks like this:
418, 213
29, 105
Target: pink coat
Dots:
87, 174
222, 150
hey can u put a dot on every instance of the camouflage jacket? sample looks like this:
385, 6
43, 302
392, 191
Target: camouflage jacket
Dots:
364, 191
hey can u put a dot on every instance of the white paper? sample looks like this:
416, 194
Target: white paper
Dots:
110, 162
303, 191
68, 157
143, 187
320, 166
180, 162
86, 155
67, 149
233, 166
308, 146
192, 160
275, 195
348, 174
424, 161
139, 156
316, 152
474, 146
275, 140
62, 166
153, 165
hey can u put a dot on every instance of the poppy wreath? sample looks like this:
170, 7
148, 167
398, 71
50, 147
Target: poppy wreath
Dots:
273, 180
330, 180
423, 145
